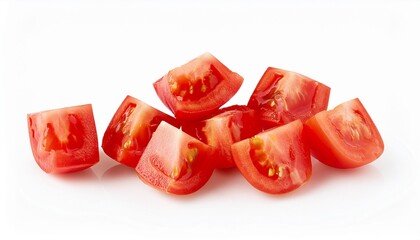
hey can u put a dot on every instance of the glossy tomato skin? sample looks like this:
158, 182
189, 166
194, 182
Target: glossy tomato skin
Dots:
345, 137
275, 161
283, 96
174, 162
198, 88
130, 130
64, 140
228, 126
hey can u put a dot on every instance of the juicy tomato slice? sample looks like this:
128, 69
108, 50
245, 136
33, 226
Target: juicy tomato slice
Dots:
130, 130
174, 162
64, 140
345, 137
231, 125
283, 96
197, 88
275, 161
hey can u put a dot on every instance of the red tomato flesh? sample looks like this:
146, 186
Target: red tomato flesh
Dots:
283, 96
345, 137
275, 161
231, 125
64, 140
174, 162
130, 130
197, 88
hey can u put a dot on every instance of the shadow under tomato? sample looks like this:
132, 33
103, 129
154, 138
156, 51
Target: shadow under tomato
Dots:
322, 175
119, 172
221, 180
86, 175
104, 164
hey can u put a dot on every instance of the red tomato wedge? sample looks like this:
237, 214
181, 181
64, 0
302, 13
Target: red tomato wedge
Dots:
275, 161
130, 130
231, 125
345, 137
197, 88
174, 162
283, 96
64, 140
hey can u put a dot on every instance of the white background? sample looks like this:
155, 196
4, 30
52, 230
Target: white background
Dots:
62, 53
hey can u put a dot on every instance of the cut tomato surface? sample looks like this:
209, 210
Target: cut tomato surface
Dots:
130, 130
230, 125
175, 162
345, 137
64, 140
275, 161
197, 88
283, 96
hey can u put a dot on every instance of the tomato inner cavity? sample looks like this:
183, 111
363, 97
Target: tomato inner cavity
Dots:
194, 85
122, 128
262, 161
184, 168
123, 134
293, 95
269, 98
67, 139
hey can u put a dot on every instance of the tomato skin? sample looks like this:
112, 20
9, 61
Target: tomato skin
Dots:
228, 126
286, 149
345, 137
130, 130
166, 165
64, 140
283, 96
226, 84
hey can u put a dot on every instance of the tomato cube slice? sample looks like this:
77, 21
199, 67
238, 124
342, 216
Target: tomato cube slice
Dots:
174, 162
197, 88
64, 140
283, 96
345, 137
275, 161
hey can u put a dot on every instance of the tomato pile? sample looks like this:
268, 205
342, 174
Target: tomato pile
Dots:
270, 140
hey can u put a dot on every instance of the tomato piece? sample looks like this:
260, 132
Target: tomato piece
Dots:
283, 96
130, 130
275, 161
231, 125
64, 140
197, 88
345, 137
174, 162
